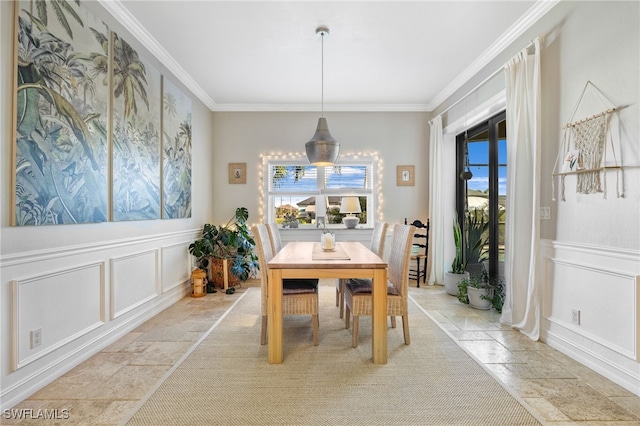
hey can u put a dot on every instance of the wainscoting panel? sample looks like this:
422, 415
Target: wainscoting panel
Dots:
134, 281
61, 305
574, 287
591, 307
175, 265
82, 298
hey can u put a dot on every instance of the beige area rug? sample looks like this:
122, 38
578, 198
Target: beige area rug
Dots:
226, 379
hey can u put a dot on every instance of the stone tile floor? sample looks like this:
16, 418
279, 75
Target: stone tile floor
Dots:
561, 390
103, 389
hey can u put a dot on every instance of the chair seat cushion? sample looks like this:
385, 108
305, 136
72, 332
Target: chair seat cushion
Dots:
298, 286
363, 285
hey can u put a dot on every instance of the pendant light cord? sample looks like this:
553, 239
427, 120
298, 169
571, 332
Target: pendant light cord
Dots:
466, 150
322, 77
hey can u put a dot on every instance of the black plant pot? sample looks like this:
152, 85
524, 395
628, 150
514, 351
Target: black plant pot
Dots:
475, 268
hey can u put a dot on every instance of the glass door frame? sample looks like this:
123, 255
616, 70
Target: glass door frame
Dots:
490, 126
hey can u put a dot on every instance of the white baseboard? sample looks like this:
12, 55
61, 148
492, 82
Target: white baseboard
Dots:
603, 365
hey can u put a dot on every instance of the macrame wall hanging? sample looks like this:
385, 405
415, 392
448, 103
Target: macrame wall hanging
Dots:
584, 150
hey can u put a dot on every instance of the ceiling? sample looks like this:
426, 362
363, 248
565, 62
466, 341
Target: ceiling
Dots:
379, 55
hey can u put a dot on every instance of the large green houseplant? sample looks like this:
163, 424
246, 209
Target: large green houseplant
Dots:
232, 242
458, 266
459, 263
476, 237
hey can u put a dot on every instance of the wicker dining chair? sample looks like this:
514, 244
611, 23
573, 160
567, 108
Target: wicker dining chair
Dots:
377, 246
274, 234
357, 292
299, 296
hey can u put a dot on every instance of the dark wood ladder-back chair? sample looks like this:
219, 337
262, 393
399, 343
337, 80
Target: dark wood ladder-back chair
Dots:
421, 241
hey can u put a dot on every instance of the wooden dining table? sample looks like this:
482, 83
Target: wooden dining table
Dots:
308, 260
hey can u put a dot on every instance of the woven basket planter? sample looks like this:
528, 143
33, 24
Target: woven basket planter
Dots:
217, 273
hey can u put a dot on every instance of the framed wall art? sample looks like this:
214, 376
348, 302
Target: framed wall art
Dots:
64, 130
237, 172
62, 124
405, 176
136, 136
176, 152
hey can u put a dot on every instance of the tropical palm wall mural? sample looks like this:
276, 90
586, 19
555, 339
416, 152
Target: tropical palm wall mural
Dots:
69, 153
136, 135
176, 126
62, 99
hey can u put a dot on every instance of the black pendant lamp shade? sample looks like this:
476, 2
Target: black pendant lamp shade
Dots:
466, 172
322, 149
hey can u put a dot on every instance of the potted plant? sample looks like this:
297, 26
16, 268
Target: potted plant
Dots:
226, 250
290, 220
463, 288
481, 292
497, 296
463, 294
475, 229
201, 249
458, 266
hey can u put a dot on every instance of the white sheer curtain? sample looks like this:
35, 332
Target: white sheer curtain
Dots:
436, 209
522, 302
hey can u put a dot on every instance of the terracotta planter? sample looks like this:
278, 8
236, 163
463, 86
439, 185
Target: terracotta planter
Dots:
476, 300
451, 281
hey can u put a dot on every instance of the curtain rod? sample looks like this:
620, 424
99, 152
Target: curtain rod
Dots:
493, 74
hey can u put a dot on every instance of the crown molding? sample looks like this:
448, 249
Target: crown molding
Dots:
127, 20
314, 108
537, 11
115, 7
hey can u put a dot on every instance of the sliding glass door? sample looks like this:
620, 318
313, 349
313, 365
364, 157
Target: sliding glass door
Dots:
482, 189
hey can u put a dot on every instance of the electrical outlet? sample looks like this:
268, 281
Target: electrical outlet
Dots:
36, 337
575, 316
545, 213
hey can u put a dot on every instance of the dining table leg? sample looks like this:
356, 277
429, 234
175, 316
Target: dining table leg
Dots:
379, 317
274, 317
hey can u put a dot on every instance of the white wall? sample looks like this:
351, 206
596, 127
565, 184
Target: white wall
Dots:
591, 246
398, 138
85, 286
592, 252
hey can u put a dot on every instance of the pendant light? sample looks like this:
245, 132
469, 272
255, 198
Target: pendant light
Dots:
466, 173
322, 149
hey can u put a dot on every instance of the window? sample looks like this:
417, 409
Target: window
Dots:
311, 195
484, 195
